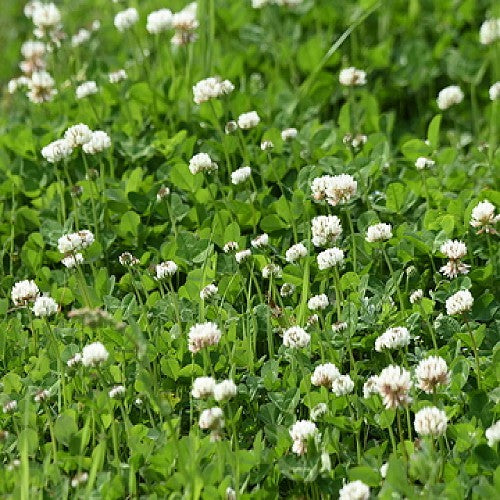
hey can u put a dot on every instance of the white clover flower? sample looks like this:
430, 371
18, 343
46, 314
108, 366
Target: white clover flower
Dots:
41, 396
242, 255
45, 16
41, 87
431, 372
126, 19
240, 175
489, 31
483, 217
358, 140
459, 303
202, 162
494, 91
44, 306
318, 302
33, 49
203, 335
165, 269
86, 89
15, 83
260, 241
211, 419
330, 257
271, 270
318, 411
265, 145
296, 252
287, 289
393, 385
117, 76
416, 296
258, 4
30, 7
79, 479
319, 185
393, 338
99, 141
324, 375
355, 490
231, 246
325, 229
128, 260
342, 385
248, 120
339, 326
23, 292
296, 337
379, 232
454, 250
351, 77
116, 392
75, 360
422, 163
159, 21
370, 386
340, 189
211, 88
203, 387
449, 96
94, 354
430, 421
225, 390
162, 193
312, 320
72, 261
300, 432
208, 291
78, 135
72, 242
57, 151
230, 494
10, 406
81, 37
185, 20
289, 134
493, 434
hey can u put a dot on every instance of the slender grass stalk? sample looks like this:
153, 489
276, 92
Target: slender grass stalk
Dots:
476, 353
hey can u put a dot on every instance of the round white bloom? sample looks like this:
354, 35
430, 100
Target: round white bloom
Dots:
342, 385
340, 326
116, 391
271, 270
57, 151
423, 163
99, 141
325, 229
208, 291
10, 406
355, 490
449, 96
41, 396
454, 249
15, 83
483, 217
296, 252
258, 4
289, 134
211, 88
41, 87
77, 135
117, 76
370, 386
318, 411
430, 421
203, 335
165, 269
76, 359
86, 89
330, 257
126, 19
94, 354
459, 302
212, 419
242, 255
79, 479
30, 7
231, 246
240, 175
318, 302
82, 36
379, 232
203, 387
494, 91
324, 375
352, 76
128, 260
319, 185
72, 261
340, 189
185, 20
225, 390
248, 120
44, 306
265, 145
260, 241
23, 292
431, 372
296, 337
69, 243
287, 289
493, 434
416, 296
163, 192
159, 20
32, 49
489, 31
393, 385
202, 162
300, 432
358, 140
393, 338
45, 15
